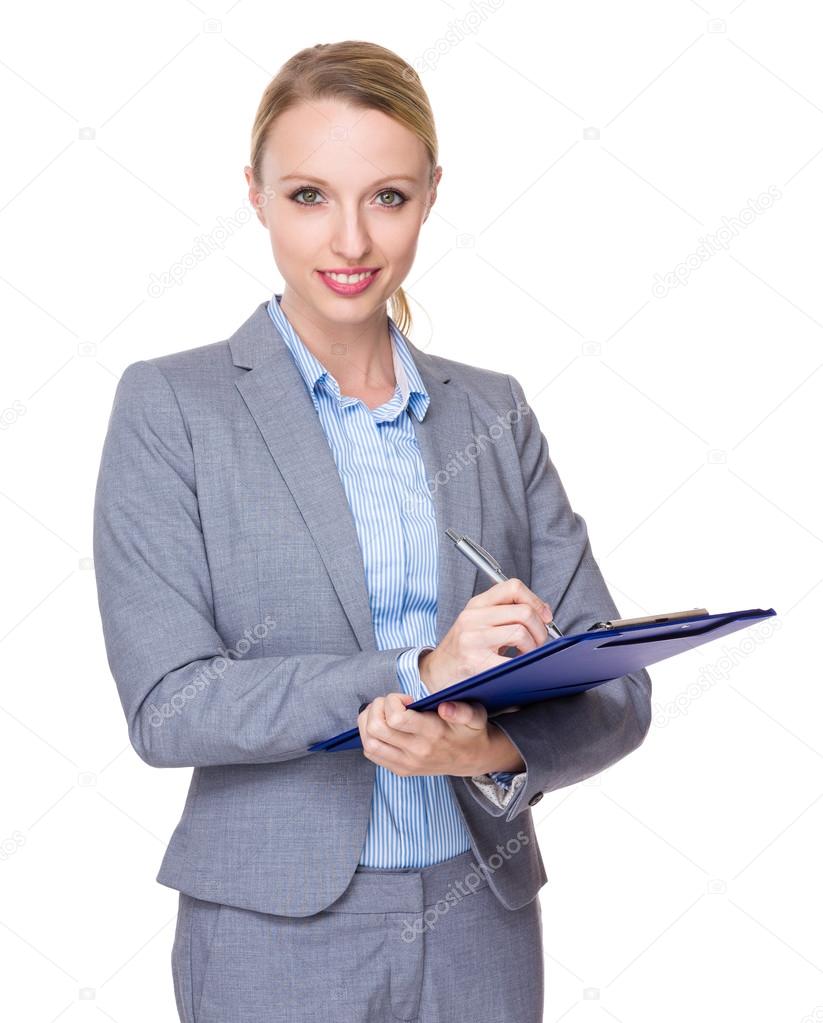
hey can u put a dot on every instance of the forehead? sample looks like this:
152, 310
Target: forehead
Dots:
342, 144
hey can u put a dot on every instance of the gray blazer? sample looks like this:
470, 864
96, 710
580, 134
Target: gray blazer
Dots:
237, 625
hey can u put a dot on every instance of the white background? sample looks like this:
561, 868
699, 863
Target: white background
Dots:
684, 881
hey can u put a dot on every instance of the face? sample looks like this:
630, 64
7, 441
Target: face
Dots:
344, 189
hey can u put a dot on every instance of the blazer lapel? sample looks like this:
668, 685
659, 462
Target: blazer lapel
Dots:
276, 397
446, 439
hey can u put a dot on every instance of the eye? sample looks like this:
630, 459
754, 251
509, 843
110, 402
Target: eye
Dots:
305, 188
391, 191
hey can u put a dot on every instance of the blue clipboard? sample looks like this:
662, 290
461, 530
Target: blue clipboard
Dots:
572, 664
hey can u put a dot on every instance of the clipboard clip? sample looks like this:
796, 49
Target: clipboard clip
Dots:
616, 623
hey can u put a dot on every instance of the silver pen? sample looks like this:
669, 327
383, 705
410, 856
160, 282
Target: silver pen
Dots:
486, 563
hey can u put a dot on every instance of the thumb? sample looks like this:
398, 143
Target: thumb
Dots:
463, 712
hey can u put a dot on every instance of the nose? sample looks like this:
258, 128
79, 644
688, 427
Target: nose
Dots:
350, 238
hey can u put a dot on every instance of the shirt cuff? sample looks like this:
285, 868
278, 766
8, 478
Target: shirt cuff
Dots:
408, 672
499, 795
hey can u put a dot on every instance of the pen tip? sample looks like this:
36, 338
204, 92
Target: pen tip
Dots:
452, 535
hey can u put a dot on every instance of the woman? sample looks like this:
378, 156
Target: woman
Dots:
272, 565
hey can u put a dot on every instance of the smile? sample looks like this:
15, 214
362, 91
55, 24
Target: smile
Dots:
348, 284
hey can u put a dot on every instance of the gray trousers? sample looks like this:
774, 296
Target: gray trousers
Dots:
425, 945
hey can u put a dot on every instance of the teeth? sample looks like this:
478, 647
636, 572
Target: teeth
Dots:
349, 278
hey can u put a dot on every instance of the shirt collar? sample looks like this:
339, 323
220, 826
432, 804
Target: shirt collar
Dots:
412, 389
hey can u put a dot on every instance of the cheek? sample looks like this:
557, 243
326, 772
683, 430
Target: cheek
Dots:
401, 247
292, 240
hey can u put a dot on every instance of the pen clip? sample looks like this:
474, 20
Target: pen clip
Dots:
483, 553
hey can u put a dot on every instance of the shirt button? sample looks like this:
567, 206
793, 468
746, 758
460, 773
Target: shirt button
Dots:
535, 798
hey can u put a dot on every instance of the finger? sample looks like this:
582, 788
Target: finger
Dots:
372, 712
389, 720
522, 605
406, 697
396, 715
499, 637
468, 713
511, 614
384, 754
512, 591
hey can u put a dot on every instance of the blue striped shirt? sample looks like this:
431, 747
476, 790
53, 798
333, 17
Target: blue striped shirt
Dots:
415, 821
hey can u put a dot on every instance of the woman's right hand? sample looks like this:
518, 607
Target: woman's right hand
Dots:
508, 614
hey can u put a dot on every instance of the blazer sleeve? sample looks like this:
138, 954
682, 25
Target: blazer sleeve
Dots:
187, 702
569, 738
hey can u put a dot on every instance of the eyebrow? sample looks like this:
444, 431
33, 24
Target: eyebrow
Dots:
320, 181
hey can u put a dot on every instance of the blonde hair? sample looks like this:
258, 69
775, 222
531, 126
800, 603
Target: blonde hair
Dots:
363, 74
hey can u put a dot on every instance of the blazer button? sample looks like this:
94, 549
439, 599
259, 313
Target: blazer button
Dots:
535, 798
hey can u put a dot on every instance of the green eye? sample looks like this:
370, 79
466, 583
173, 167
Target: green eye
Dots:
392, 191
300, 191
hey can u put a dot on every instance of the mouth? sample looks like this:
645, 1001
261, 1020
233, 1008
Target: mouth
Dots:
349, 282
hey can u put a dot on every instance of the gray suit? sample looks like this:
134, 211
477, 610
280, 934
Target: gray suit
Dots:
237, 622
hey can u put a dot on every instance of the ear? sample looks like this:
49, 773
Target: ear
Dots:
438, 173
256, 197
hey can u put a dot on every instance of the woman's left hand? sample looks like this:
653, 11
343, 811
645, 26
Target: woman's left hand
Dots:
411, 742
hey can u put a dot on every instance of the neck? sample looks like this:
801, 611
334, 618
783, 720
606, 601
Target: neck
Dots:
358, 355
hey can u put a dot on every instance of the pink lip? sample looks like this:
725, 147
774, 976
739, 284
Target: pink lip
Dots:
348, 289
